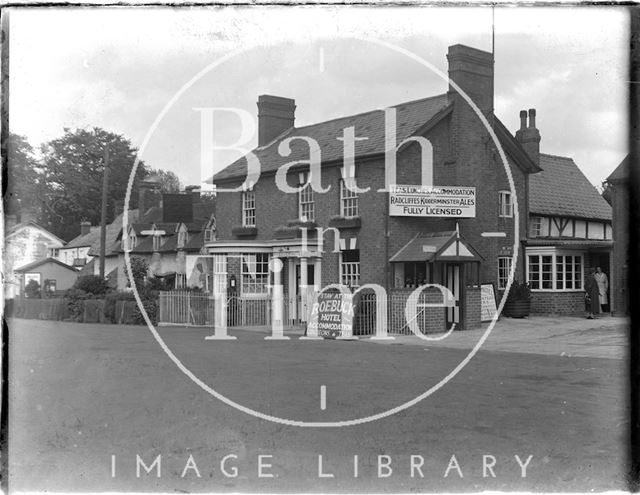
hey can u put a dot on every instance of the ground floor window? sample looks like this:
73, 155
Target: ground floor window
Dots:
504, 267
350, 267
555, 271
255, 273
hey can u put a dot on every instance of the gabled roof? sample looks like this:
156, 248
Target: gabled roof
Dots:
113, 235
91, 239
36, 264
432, 246
561, 189
621, 173
31, 223
410, 118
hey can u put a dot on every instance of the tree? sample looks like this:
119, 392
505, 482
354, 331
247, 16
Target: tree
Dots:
21, 186
139, 270
169, 181
74, 166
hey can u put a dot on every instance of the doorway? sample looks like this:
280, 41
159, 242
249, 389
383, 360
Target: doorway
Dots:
452, 282
296, 288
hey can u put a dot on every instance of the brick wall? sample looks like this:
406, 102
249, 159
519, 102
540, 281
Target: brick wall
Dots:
471, 309
557, 303
619, 279
432, 320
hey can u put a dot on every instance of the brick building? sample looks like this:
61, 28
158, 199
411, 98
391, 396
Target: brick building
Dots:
620, 201
439, 138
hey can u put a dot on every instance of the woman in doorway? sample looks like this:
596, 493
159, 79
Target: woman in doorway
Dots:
603, 287
591, 297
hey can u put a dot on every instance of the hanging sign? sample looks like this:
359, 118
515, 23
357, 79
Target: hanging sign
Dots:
332, 316
432, 201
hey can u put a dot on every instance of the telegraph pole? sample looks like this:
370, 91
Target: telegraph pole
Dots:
103, 218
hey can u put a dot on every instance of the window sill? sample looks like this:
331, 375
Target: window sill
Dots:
302, 224
240, 231
345, 223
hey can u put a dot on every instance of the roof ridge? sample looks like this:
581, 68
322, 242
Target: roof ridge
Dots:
359, 114
556, 156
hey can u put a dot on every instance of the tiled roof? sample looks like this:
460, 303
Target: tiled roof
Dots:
621, 173
90, 239
113, 235
410, 117
143, 246
414, 250
561, 189
196, 242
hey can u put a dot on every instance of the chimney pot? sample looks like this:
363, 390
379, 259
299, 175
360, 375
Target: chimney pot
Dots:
275, 115
532, 118
523, 119
85, 227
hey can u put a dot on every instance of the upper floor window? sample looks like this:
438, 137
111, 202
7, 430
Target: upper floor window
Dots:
535, 227
348, 200
505, 204
54, 252
306, 207
131, 241
157, 241
249, 209
209, 235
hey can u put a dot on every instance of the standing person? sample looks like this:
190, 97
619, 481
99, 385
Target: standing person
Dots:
592, 295
603, 287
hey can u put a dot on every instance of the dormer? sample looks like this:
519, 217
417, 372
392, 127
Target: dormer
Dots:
130, 240
183, 235
210, 230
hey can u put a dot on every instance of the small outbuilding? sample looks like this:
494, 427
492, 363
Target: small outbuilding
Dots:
50, 274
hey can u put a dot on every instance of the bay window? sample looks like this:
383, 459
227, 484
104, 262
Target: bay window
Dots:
554, 271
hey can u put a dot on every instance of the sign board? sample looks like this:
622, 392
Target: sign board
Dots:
432, 201
487, 302
332, 316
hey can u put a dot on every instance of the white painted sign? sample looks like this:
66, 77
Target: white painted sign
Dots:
487, 302
432, 201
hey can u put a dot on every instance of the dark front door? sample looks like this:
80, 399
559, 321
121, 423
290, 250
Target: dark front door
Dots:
452, 279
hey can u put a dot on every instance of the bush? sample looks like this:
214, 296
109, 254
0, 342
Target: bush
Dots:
75, 302
93, 284
32, 290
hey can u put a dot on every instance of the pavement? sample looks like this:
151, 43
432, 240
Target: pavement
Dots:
89, 402
603, 337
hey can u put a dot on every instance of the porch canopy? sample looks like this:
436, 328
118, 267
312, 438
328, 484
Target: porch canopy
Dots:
436, 246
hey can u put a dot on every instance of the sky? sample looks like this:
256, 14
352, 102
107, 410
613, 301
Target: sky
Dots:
144, 72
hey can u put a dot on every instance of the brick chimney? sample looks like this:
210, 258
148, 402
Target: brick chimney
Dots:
148, 195
529, 136
275, 115
85, 227
472, 70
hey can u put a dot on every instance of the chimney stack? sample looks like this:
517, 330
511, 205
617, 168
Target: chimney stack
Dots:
275, 115
148, 195
529, 136
472, 70
85, 227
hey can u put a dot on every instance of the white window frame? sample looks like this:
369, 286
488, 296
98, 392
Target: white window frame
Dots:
555, 254
260, 285
502, 276
306, 205
505, 204
249, 208
349, 200
350, 271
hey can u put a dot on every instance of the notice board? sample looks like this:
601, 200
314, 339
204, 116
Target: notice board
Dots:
488, 306
332, 316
